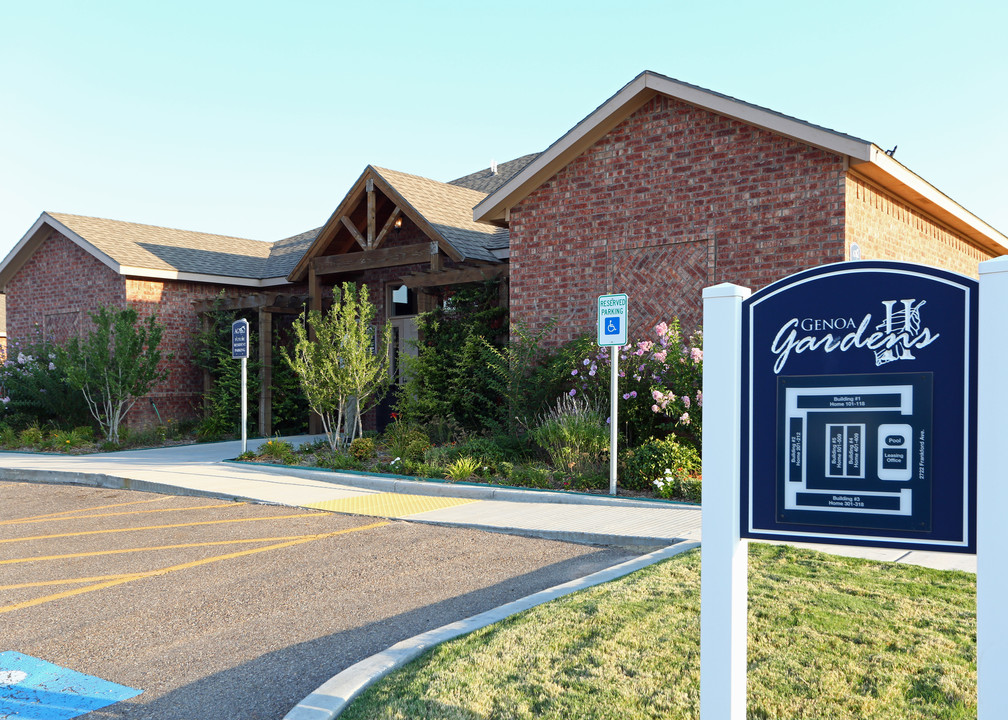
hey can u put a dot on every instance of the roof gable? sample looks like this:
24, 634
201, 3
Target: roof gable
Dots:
864, 157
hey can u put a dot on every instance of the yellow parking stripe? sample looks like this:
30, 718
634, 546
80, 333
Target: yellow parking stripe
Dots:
389, 505
99, 507
184, 566
117, 514
154, 527
15, 561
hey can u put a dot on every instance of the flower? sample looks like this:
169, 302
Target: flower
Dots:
684, 419
685, 401
586, 361
573, 392
699, 398
633, 393
696, 355
52, 366
574, 371
21, 358
591, 372
661, 355
654, 408
661, 329
626, 396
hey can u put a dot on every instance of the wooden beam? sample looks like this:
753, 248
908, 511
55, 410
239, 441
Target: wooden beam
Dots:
357, 261
354, 231
435, 257
370, 214
389, 224
456, 277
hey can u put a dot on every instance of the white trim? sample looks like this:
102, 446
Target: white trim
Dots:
128, 271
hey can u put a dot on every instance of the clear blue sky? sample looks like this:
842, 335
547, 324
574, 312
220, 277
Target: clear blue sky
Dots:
253, 118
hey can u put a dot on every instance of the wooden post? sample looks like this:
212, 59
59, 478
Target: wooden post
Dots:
314, 303
370, 214
265, 372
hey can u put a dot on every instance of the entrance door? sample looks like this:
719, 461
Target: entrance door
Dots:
401, 304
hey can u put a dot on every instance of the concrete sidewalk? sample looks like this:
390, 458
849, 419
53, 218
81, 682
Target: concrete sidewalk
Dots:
203, 470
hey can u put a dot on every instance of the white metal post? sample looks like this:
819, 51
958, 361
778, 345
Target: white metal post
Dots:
992, 493
613, 391
724, 559
244, 404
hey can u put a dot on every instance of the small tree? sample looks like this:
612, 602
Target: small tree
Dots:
118, 363
346, 367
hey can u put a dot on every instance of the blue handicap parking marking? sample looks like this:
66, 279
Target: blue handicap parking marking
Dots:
612, 326
38, 690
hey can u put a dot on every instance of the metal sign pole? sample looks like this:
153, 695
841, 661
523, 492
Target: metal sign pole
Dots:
613, 390
244, 404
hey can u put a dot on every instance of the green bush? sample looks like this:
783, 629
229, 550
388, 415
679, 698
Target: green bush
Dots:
279, 451
463, 468
643, 465
679, 485
416, 449
421, 469
362, 448
532, 475
8, 437
35, 388
31, 436
338, 460
574, 433
399, 435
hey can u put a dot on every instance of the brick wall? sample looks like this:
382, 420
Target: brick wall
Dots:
56, 288
673, 199
180, 395
60, 284
886, 228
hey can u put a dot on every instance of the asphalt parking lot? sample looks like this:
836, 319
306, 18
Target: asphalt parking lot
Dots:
216, 609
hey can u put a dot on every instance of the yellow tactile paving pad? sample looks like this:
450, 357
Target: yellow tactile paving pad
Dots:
388, 505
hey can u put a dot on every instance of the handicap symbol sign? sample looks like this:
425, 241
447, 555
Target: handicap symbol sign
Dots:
612, 319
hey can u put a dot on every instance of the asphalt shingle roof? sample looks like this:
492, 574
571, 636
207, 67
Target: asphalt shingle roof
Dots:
487, 182
157, 248
448, 208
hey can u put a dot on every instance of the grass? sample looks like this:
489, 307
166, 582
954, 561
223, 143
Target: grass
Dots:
830, 638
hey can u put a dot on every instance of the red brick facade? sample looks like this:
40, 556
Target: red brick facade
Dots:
672, 200
885, 227
60, 284
676, 198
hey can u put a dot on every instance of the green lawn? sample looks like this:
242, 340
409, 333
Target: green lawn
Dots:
830, 638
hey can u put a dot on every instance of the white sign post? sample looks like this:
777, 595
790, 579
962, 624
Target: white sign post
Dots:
992, 493
723, 554
240, 349
612, 331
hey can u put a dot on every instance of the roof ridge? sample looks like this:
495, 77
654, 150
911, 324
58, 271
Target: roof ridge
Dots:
57, 216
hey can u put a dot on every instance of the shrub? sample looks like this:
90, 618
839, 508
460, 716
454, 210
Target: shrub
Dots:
31, 436
279, 451
9, 437
362, 448
660, 383
462, 469
679, 484
532, 475
399, 435
416, 449
338, 460
35, 388
67, 439
642, 465
574, 434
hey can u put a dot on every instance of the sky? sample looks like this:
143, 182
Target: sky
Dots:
255, 118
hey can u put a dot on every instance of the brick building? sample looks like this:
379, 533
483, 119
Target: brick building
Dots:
404, 236
664, 189
667, 188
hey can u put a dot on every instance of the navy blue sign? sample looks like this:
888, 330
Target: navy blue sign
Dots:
859, 408
240, 339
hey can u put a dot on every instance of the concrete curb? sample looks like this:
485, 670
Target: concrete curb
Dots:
332, 697
470, 491
114, 482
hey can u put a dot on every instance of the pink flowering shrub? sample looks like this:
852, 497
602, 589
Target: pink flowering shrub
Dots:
660, 384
